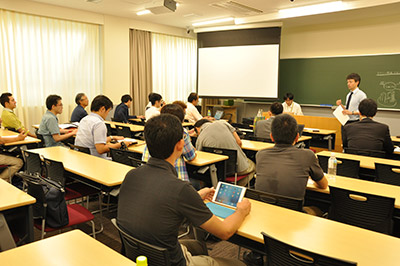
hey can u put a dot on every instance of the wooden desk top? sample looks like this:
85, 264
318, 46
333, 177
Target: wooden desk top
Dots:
395, 139
202, 158
97, 169
70, 248
253, 145
320, 131
12, 197
27, 140
320, 235
134, 128
365, 161
360, 186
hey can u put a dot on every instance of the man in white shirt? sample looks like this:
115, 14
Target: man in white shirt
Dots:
289, 106
154, 110
353, 98
192, 114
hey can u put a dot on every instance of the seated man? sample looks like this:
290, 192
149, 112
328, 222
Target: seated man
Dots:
263, 127
14, 164
188, 153
121, 113
10, 120
48, 128
92, 131
220, 134
162, 201
289, 106
79, 112
284, 169
156, 103
192, 114
367, 134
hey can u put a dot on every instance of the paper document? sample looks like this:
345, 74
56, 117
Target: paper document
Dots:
396, 149
340, 116
129, 139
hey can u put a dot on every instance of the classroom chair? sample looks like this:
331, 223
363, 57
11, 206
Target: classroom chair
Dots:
231, 174
33, 163
77, 214
388, 174
136, 162
40, 144
79, 148
124, 131
132, 248
364, 210
278, 200
110, 131
345, 167
280, 253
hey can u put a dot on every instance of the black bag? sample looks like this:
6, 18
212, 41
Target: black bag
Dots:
56, 212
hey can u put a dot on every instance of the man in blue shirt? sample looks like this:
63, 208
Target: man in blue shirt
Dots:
121, 113
79, 112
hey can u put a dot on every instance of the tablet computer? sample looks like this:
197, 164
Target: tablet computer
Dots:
228, 195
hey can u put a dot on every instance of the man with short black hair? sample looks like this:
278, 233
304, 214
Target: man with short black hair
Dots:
353, 98
121, 113
289, 106
192, 114
163, 202
92, 131
156, 103
263, 127
48, 128
284, 169
367, 134
79, 112
10, 120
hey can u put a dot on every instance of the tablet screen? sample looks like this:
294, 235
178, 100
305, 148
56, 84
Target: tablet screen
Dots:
228, 194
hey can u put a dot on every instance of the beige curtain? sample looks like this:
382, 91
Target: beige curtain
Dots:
141, 69
40, 56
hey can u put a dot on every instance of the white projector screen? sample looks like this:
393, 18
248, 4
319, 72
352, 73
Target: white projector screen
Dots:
239, 71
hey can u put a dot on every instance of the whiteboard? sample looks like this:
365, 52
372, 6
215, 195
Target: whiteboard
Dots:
239, 71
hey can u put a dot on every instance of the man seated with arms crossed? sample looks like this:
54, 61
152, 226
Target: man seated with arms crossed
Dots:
156, 103
263, 127
284, 169
220, 134
367, 134
121, 113
14, 164
48, 128
153, 202
10, 120
79, 112
92, 131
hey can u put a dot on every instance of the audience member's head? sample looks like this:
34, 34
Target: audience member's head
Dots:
181, 104
5, 98
200, 123
155, 97
288, 96
193, 97
126, 98
368, 107
53, 101
355, 77
81, 99
162, 133
149, 96
101, 101
284, 129
175, 110
276, 108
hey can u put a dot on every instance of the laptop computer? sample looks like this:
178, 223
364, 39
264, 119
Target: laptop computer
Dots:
218, 114
225, 199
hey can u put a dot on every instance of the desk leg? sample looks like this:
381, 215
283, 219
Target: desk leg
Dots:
29, 223
213, 175
329, 138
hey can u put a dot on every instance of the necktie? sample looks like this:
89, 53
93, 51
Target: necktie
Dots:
348, 101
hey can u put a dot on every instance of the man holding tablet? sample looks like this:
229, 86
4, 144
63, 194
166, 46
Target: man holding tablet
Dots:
163, 202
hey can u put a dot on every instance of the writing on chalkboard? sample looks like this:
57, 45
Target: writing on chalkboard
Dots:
387, 98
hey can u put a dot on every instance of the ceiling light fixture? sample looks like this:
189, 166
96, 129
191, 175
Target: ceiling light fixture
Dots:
216, 21
143, 12
312, 9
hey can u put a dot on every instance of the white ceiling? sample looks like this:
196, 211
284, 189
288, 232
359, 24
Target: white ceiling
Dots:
190, 11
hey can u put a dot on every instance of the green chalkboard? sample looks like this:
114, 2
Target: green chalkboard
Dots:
323, 80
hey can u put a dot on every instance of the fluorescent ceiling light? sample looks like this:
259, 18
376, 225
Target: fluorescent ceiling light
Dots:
312, 9
143, 12
216, 21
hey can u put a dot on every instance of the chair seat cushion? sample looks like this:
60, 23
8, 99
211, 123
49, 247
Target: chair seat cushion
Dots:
83, 189
232, 178
71, 194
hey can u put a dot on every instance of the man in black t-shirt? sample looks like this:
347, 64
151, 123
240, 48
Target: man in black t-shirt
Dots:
153, 202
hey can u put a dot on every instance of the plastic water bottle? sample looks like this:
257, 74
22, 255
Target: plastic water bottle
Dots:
209, 112
332, 165
141, 261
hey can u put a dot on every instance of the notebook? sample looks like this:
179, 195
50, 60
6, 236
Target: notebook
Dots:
225, 199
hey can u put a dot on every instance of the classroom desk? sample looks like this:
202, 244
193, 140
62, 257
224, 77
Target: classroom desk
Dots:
104, 172
16, 204
395, 140
70, 248
184, 124
134, 128
27, 140
215, 161
321, 136
320, 235
253, 145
